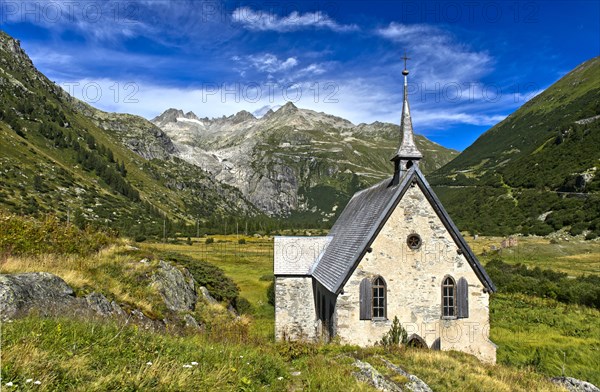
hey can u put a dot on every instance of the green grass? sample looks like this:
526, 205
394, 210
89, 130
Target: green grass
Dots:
571, 329
562, 334
244, 263
574, 257
89, 355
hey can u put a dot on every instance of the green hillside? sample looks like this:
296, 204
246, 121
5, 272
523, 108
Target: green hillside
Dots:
55, 159
535, 172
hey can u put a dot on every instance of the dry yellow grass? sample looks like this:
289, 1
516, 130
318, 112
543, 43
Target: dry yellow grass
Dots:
108, 272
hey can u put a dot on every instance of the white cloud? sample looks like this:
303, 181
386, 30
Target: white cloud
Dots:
264, 21
268, 62
436, 54
313, 69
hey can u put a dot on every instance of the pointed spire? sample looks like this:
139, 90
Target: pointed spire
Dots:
408, 149
408, 154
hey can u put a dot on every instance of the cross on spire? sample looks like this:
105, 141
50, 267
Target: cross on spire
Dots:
408, 153
405, 59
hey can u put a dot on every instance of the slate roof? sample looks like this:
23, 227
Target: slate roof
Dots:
296, 255
362, 219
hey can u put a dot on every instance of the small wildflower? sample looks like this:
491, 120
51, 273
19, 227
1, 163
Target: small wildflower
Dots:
241, 356
247, 363
29, 380
187, 366
9, 384
148, 363
194, 363
280, 378
37, 382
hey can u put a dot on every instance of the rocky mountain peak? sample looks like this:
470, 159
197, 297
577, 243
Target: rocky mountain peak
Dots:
191, 115
288, 108
242, 116
169, 115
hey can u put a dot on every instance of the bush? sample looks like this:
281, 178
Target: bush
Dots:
583, 290
295, 349
395, 336
209, 240
30, 236
242, 241
220, 286
243, 306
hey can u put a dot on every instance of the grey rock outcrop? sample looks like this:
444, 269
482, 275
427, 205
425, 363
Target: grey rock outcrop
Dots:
99, 304
575, 385
367, 373
190, 322
415, 384
49, 295
40, 291
206, 294
176, 287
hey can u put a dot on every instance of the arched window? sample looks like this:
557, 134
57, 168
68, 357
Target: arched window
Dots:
379, 303
373, 303
448, 297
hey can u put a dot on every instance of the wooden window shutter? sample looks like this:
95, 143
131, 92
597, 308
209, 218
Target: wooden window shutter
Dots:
462, 298
365, 299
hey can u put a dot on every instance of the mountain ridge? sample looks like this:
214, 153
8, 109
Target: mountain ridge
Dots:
535, 171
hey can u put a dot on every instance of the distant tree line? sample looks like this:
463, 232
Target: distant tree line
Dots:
582, 290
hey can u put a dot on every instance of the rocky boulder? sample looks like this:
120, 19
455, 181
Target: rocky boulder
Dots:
368, 374
575, 385
176, 287
99, 304
40, 291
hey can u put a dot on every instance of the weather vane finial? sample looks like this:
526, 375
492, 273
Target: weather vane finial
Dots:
405, 71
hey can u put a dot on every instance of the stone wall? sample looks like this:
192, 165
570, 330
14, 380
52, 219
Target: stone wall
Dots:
414, 279
295, 316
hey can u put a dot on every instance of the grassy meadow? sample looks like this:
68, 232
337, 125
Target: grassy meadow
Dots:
536, 337
562, 334
574, 257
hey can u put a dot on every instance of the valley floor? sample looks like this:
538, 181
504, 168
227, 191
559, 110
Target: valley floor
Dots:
536, 337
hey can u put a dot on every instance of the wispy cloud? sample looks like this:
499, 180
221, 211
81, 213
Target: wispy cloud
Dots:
265, 21
437, 54
270, 63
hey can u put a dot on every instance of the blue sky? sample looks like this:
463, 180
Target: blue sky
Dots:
472, 62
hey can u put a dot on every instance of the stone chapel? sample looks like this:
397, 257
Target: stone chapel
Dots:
393, 251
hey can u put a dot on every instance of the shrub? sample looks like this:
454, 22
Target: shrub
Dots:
30, 236
295, 349
395, 336
209, 240
243, 306
220, 286
242, 241
583, 290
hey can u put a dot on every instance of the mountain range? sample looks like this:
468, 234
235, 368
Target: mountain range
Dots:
533, 173
61, 155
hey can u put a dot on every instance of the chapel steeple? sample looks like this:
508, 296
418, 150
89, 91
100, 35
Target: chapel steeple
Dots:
408, 154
